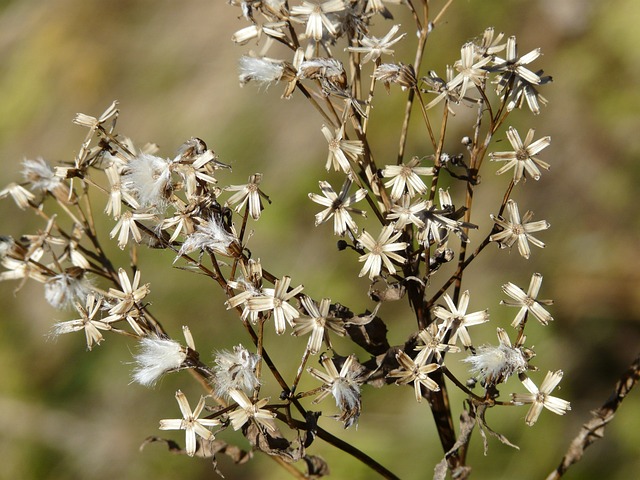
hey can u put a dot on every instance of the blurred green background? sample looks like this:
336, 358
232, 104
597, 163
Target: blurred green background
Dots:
68, 413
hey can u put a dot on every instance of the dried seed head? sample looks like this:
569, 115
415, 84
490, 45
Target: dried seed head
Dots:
495, 364
156, 357
403, 75
260, 69
67, 288
325, 69
235, 370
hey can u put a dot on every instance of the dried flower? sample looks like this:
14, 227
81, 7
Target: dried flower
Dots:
319, 322
246, 34
490, 43
42, 176
381, 251
127, 225
513, 66
406, 178
338, 206
456, 319
190, 423
72, 250
128, 296
344, 387
86, 156
290, 74
437, 223
37, 243
471, 69
404, 214
516, 230
403, 75
182, 221
340, 150
249, 410
87, 322
248, 194
527, 301
539, 397
20, 195
417, 373
377, 6
523, 90
196, 165
275, 299
21, 269
329, 71
374, 47
432, 345
442, 88
315, 15
251, 286
517, 82
523, 158
92, 122
117, 193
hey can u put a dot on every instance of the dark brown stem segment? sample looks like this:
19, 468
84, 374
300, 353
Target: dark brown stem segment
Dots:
441, 410
346, 447
594, 429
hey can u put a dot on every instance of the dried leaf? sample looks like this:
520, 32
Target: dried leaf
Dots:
316, 466
273, 443
312, 427
206, 450
483, 426
387, 292
368, 331
467, 423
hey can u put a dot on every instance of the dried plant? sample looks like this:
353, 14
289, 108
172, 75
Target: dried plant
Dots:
403, 223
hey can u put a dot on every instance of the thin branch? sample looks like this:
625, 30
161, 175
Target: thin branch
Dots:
594, 429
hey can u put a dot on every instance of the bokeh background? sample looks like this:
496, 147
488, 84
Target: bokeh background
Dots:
72, 414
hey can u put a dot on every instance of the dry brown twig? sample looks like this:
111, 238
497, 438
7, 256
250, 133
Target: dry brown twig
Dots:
593, 430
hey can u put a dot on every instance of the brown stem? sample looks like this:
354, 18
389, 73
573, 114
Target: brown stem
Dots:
303, 362
458, 273
316, 105
345, 447
422, 41
441, 410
